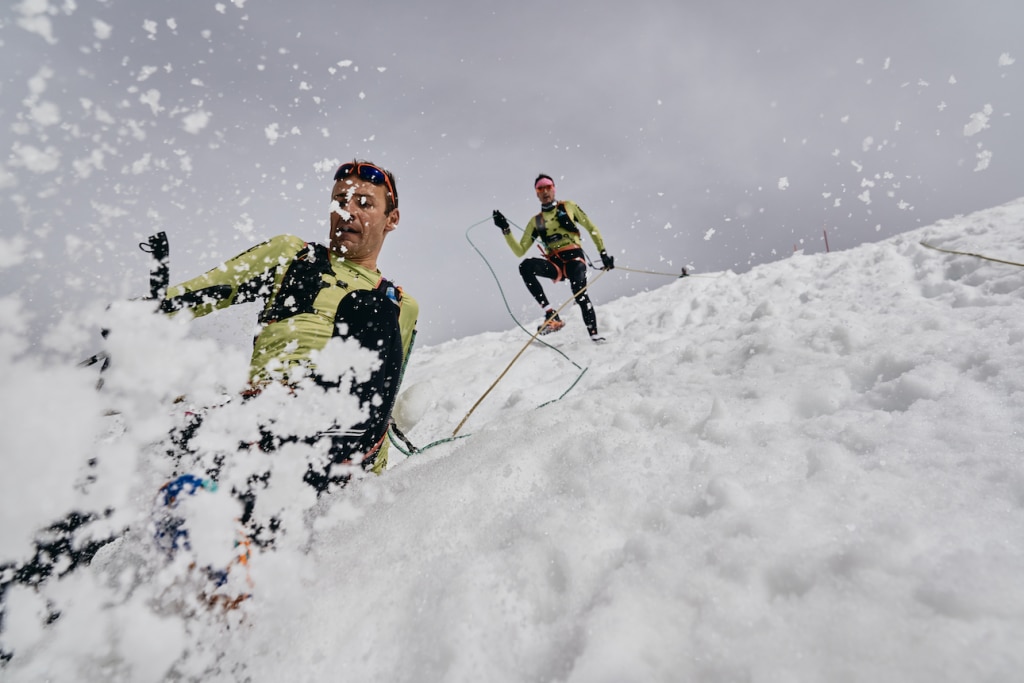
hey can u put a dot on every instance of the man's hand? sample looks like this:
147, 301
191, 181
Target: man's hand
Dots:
500, 221
608, 261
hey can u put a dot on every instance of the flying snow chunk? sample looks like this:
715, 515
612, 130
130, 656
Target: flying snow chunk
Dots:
1005, 59
146, 71
272, 133
37, 84
101, 29
184, 160
979, 121
783, 183
46, 114
246, 227
37, 160
7, 179
34, 19
140, 166
196, 121
326, 165
709, 234
152, 98
336, 207
984, 159
12, 251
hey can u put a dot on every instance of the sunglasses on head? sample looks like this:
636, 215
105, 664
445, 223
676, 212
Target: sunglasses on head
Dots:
369, 173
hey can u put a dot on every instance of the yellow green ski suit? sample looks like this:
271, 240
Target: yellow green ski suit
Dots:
312, 295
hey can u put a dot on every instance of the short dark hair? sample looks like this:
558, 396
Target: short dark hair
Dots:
542, 175
392, 199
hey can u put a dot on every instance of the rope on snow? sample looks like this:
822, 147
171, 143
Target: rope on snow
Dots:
967, 253
533, 337
530, 341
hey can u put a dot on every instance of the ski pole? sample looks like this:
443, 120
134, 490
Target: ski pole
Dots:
160, 272
159, 278
521, 351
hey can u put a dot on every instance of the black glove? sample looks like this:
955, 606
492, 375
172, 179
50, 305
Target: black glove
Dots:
608, 261
500, 221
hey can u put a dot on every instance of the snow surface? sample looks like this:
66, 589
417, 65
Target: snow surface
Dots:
809, 472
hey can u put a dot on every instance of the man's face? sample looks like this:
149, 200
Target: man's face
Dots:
358, 221
546, 193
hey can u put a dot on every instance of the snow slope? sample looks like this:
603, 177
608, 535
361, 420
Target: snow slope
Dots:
810, 472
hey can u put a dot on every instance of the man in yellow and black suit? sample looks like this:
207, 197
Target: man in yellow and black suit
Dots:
555, 227
313, 293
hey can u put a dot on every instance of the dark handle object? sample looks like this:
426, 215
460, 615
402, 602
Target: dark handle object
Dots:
160, 272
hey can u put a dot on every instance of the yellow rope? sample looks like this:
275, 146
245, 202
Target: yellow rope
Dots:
675, 275
967, 253
530, 341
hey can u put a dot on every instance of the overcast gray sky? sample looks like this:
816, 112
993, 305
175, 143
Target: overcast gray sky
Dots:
712, 135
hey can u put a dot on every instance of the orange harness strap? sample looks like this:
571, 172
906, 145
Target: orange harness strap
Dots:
559, 264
